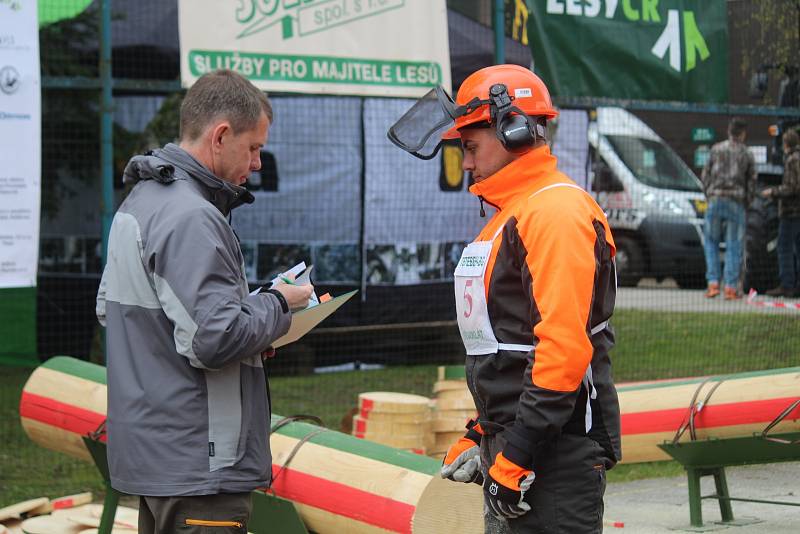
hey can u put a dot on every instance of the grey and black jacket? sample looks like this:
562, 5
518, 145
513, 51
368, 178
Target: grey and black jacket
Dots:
788, 193
188, 406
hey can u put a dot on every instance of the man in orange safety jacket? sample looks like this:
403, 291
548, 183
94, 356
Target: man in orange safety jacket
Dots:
534, 295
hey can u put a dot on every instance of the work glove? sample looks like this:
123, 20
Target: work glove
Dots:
505, 487
463, 460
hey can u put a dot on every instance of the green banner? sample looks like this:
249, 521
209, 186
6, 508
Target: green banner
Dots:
18, 326
638, 49
317, 69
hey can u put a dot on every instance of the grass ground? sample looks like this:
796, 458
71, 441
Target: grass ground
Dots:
650, 345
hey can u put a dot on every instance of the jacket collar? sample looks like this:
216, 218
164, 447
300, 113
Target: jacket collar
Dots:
225, 196
518, 178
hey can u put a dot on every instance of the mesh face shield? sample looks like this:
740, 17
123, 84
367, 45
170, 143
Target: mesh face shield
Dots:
419, 131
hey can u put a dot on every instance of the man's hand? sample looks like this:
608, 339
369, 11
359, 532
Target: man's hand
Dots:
296, 296
505, 488
463, 460
766, 193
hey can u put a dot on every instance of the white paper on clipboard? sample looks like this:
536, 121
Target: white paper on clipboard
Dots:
305, 320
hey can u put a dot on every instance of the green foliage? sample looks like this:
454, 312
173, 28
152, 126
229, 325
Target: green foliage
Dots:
770, 35
70, 117
164, 127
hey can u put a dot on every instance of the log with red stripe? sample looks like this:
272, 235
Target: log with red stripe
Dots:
338, 483
741, 404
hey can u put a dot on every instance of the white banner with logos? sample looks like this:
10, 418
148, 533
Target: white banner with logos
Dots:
20, 131
346, 47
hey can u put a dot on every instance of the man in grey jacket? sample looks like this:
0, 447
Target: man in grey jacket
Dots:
188, 402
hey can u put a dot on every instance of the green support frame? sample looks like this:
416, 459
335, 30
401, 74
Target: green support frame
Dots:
711, 457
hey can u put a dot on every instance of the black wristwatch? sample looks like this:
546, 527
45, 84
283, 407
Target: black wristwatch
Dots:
281, 299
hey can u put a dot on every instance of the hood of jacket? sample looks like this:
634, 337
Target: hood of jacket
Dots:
161, 164
520, 177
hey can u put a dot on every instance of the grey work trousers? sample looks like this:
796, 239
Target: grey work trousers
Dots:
567, 494
217, 513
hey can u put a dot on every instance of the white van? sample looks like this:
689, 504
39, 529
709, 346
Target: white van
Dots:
654, 202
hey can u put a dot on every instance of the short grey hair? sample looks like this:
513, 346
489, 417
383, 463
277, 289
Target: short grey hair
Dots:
222, 94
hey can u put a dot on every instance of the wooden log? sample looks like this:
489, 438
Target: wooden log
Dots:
15, 511
338, 483
454, 403
450, 385
63, 400
738, 405
392, 402
11, 526
652, 412
48, 524
455, 396
364, 428
89, 515
416, 418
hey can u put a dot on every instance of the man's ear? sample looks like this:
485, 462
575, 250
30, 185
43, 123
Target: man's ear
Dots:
219, 135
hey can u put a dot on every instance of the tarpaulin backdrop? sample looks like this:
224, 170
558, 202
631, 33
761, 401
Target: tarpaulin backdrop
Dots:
638, 49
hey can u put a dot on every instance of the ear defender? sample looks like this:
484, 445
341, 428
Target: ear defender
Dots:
515, 129
515, 133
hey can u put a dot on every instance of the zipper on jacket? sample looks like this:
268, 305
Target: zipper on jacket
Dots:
207, 523
483, 212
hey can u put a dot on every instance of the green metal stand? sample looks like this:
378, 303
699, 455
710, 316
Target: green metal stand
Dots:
274, 514
710, 457
98, 451
721, 484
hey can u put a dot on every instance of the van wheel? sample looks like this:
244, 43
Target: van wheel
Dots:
630, 262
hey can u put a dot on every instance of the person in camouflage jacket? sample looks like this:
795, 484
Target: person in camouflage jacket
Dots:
788, 195
729, 179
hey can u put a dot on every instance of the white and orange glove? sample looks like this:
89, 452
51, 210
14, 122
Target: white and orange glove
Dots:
463, 460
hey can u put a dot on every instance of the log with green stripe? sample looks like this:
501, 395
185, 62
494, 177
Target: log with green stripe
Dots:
338, 483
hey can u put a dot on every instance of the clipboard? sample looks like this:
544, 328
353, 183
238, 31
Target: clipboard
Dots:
305, 320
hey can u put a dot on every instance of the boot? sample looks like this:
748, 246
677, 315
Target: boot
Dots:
713, 290
731, 293
779, 291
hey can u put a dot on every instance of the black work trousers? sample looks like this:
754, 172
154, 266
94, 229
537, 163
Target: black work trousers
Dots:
224, 513
567, 494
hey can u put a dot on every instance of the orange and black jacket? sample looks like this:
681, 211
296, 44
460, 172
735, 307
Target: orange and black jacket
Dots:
550, 280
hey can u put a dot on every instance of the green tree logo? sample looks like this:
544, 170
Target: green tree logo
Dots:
670, 41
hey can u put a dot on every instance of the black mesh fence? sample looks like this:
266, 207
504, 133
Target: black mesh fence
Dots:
335, 193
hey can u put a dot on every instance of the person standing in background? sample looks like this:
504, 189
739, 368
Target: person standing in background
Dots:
788, 195
729, 179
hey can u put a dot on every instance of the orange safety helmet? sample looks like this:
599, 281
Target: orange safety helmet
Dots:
528, 91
